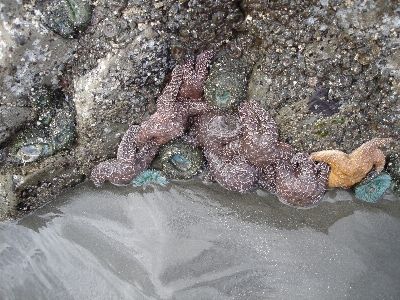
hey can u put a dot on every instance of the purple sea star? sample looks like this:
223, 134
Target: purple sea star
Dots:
216, 131
194, 76
171, 118
130, 161
268, 175
295, 178
299, 181
259, 143
235, 174
242, 149
141, 143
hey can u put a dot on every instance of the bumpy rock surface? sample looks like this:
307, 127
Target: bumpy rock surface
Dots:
330, 72
327, 71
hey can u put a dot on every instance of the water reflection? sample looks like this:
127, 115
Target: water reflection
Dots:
191, 241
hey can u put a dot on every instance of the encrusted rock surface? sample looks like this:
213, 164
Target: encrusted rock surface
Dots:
30, 55
327, 71
348, 50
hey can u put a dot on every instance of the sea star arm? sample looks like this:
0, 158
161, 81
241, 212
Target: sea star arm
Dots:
249, 120
258, 125
189, 87
377, 143
380, 161
190, 139
195, 76
283, 151
323, 170
127, 146
168, 96
369, 154
202, 62
145, 156
194, 108
304, 166
99, 173
332, 157
268, 124
157, 130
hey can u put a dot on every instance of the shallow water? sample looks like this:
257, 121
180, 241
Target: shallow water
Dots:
194, 241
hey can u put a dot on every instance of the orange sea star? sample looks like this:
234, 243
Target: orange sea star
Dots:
348, 169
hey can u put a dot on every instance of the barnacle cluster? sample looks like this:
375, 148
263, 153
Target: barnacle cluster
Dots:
317, 66
66, 17
201, 24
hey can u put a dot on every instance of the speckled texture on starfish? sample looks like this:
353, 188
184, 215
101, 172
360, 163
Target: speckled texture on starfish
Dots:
130, 161
301, 182
218, 132
259, 143
215, 130
194, 76
268, 176
260, 133
171, 118
235, 174
348, 169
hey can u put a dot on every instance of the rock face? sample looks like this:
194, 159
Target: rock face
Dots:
326, 71
30, 55
66, 17
328, 75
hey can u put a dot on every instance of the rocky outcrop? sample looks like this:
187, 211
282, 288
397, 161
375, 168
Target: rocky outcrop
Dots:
327, 72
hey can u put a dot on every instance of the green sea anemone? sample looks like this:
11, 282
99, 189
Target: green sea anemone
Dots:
372, 188
53, 130
149, 176
226, 85
181, 161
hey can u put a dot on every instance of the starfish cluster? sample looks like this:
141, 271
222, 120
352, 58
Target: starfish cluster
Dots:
241, 147
243, 152
140, 144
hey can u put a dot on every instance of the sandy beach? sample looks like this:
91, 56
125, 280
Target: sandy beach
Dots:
194, 241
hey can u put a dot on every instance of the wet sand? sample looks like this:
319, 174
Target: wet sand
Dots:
194, 241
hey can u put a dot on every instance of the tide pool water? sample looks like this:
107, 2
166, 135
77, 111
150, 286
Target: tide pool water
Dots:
194, 241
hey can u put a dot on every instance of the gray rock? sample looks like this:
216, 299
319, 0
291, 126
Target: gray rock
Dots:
30, 55
115, 69
358, 67
66, 17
